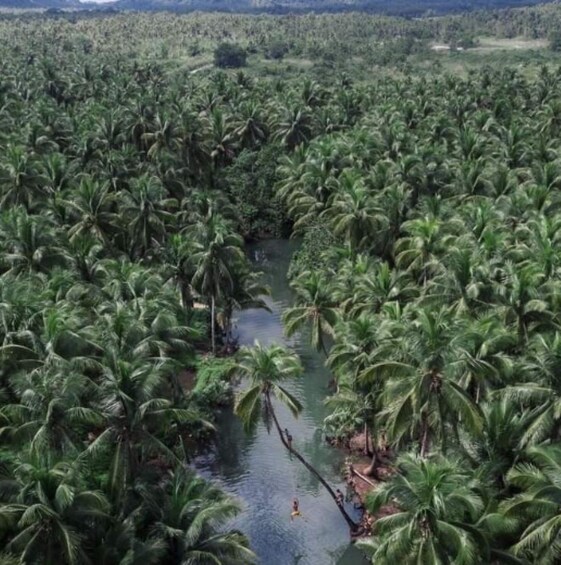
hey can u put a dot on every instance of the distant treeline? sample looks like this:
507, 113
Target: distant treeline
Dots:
406, 8
350, 34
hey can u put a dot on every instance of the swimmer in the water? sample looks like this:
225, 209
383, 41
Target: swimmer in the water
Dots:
295, 509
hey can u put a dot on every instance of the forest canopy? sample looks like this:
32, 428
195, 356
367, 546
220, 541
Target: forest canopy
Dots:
424, 181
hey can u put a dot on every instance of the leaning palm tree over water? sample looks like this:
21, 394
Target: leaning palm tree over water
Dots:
266, 368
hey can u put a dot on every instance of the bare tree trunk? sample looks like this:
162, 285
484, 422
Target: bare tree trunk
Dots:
212, 325
366, 442
352, 524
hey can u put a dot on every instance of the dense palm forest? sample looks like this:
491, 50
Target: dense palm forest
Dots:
429, 275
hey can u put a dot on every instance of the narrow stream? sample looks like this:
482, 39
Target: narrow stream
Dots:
258, 469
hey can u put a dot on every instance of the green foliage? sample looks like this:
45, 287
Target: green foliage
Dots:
428, 203
555, 41
314, 252
212, 386
276, 50
229, 56
251, 182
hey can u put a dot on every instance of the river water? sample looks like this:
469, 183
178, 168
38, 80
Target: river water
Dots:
258, 469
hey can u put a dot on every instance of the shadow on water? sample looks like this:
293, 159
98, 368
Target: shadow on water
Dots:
260, 471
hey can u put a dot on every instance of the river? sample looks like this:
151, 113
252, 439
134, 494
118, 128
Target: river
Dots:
258, 469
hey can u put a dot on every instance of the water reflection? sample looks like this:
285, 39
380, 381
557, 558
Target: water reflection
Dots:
260, 471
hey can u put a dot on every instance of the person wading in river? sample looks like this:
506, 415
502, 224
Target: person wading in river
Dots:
295, 509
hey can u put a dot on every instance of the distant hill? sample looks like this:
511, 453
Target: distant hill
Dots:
410, 8
30, 4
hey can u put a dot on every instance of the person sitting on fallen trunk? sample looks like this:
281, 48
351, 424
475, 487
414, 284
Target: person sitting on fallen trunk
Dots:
288, 438
339, 497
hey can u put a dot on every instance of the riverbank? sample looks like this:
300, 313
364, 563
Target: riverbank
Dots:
359, 483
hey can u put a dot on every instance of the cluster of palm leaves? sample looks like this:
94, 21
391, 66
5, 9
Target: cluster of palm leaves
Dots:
439, 308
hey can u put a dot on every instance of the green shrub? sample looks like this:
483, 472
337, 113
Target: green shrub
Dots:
230, 56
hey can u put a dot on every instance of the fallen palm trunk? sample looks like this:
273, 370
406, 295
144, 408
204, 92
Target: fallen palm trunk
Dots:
363, 478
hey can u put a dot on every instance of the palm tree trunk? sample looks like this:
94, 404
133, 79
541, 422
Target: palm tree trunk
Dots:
366, 442
352, 524
424, 435
372, 470
212, 325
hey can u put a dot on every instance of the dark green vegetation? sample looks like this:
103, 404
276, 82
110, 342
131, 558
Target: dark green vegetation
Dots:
130, 174
229, 56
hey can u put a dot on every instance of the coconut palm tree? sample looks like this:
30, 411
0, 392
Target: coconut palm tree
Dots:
267, 367
53, 517
190, 521
438, 516
422, 394
354, 214
217, 255
134, 416
51, 409
314, 305
536, 508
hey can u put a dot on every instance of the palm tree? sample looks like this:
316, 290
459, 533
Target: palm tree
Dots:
90, 210
29, 243
539, 389
135, 418
438, 518
536, 508
50, 410
190, 523
19, 178
293, 127
521, 290
217, 255
144, 208
421, 392
314, 304
266, 368
355, 214
53, 517
418, 252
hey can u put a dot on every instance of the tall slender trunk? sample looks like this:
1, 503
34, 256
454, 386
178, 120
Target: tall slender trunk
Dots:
366, 442
424, 434
212, 325
352, 524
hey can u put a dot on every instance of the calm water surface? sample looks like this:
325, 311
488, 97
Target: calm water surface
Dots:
258, 469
